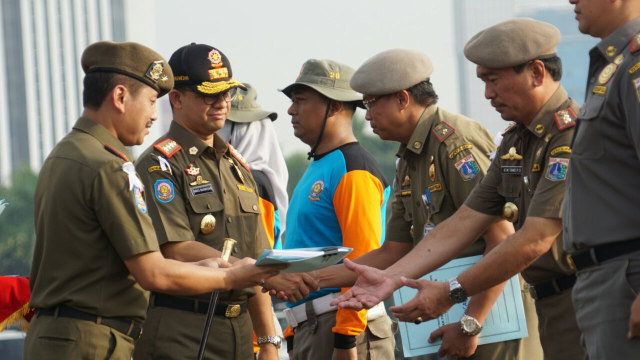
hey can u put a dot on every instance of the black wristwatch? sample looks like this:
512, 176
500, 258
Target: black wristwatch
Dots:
456, 293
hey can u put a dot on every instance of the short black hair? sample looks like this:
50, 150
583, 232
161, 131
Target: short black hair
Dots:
553, 65
423, 93
98, 85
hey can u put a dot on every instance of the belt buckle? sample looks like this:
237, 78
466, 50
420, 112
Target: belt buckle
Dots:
532, 291
232, 311
570, 262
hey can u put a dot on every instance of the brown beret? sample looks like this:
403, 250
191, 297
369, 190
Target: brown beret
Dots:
391, 71
512, 43
130, 59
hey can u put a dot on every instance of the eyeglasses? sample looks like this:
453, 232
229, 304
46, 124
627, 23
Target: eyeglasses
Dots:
368, 104
228, 96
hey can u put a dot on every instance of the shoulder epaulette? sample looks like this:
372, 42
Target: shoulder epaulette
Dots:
115, 152
168, 147
565, 118
443, 131
635, 43
509, 128
238, 157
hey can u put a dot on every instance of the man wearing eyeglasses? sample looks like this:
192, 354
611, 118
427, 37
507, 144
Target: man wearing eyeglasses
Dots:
201, 192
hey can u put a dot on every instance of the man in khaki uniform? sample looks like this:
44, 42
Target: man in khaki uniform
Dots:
96, 253
203, 192
525, 184
442, 157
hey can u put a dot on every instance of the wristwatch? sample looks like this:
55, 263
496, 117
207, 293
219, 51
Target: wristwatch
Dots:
456, 293
275, 340
470, 326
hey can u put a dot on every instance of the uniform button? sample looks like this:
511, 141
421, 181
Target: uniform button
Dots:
255, 207
228, 219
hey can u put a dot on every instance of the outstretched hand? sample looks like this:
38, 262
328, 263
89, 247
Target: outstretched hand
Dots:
431, 301
371, 287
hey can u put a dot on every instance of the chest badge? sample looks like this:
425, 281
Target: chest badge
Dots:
407, 181
432, 170
510, 212
199, 181
511, 155
207, 224
607, 73
192, 170
316, 190
193, 150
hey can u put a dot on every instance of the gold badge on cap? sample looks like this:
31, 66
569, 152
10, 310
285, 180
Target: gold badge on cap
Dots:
611, 50
512, 155
215, 58
510, 212
155, 70
607, 73
208, 224
193, 150
539, 128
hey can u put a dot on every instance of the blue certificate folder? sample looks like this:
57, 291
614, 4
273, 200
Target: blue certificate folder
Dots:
506, 321
304, 259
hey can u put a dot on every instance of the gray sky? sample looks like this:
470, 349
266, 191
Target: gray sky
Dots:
268, 41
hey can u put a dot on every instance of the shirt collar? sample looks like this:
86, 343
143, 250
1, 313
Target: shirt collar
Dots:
103, 135
613, 44
419, 136
542, 121
188, 141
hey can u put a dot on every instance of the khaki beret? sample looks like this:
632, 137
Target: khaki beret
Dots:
203, 69
130, 59
391, 71
245, 107
329, 78
512, 43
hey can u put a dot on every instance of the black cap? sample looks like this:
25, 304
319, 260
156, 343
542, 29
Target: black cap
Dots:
203, 69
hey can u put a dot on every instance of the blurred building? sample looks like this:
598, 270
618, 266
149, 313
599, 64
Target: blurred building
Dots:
474, 16
41, 82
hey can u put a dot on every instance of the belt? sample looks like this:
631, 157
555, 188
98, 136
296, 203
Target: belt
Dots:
126, 326
553, 287
598, 254
298, 314
197, 306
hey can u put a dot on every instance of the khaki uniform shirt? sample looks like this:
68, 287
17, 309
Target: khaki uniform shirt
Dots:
88, 220
188, 181
602, 199
529, 171
445, 158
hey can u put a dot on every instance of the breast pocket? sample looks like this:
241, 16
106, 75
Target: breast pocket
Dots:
587, 142
206, 217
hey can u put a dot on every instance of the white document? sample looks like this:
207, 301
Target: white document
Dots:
506, 321
304, 259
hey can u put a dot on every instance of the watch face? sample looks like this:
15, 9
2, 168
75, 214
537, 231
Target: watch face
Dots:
458, 295
469, 325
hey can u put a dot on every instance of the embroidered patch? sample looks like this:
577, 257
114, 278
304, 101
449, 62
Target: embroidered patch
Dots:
560, 149
636, 84
316, 190
459, 150
435, 187
153, 168
139, 200
564, 119
219, 73
634, 68
201, 189
155, 70
404, 193
557, 169
468, 168
244, 188
599, 89
164, 190
168, 147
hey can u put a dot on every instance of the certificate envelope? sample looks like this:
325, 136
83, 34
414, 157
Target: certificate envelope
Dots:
304, 259
506, 321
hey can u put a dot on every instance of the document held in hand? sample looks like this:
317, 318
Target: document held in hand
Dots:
304, 259
506, 321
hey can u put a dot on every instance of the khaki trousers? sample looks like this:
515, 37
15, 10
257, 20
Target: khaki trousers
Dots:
64, 338
559, 333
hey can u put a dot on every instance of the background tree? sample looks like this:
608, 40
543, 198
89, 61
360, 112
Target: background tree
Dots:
17, 234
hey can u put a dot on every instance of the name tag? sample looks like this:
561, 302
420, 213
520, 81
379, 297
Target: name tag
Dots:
201, 189
511, 170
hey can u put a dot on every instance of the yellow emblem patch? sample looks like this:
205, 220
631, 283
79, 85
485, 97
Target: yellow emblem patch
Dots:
611, 50
535, 168
539, 128
153, 168
219, 73
599, 89
405, 193
459, 150
244, 188
634, 68
435, 187
561, 149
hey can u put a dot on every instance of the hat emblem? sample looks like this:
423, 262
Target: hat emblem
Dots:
155, 70
215, 58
